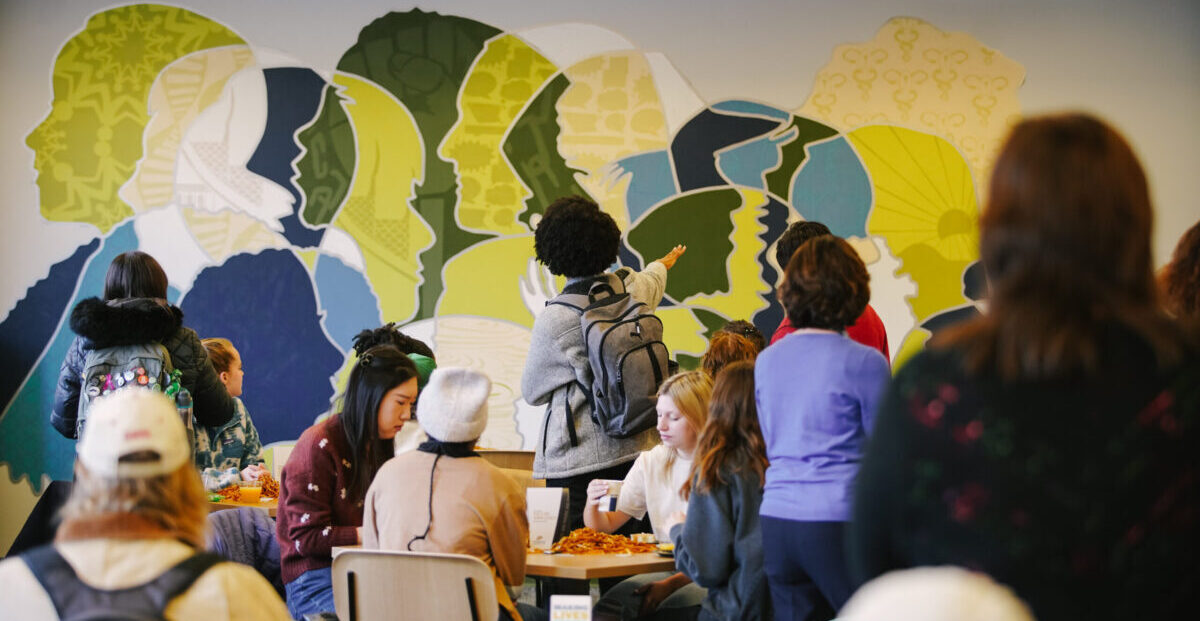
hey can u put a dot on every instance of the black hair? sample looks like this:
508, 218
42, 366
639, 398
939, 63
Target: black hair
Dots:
389, 334
378, 370
575, 238
134, 274
795, 235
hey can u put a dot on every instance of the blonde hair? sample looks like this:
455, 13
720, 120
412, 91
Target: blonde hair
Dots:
691, 392
176, 501
220, 352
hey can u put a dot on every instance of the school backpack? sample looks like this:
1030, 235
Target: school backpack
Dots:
76, 601
111, 368
625, 350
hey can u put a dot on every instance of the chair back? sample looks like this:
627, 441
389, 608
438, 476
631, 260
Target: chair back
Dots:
388, 584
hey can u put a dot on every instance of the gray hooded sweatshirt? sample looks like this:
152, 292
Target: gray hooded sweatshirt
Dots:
556, 368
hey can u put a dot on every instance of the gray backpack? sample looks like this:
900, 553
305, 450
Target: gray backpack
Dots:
106, 369
628, 358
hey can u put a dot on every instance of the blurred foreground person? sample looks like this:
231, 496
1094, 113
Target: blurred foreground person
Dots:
127, 546
1052, 442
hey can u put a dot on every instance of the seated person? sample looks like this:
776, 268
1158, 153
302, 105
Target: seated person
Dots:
325, 480
652, 488
410, 437
465, 505
230, 451
135, 518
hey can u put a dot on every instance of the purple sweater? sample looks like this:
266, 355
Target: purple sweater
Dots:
816, 395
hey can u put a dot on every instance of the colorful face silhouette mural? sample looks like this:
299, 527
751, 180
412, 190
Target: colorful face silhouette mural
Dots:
405, 183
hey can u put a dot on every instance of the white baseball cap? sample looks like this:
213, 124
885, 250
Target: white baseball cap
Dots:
138, 425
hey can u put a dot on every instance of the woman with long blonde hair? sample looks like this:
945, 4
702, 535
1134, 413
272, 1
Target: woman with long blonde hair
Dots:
653, 487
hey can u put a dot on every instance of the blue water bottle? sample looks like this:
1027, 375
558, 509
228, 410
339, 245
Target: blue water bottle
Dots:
183, 401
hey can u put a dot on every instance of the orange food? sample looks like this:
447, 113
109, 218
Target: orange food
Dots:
589, 541
231, 493
270, 487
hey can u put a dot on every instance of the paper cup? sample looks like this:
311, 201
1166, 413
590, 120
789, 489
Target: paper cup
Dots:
608, 502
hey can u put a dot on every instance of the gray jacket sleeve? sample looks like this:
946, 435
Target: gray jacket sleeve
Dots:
704, 543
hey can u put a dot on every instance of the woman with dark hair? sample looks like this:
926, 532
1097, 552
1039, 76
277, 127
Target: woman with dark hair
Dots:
1050, 443
816, 392
135, 310
720, 546
322, 486
1180, 281
577, 240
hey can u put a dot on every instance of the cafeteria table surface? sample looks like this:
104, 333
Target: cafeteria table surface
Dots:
270, 505
589, 566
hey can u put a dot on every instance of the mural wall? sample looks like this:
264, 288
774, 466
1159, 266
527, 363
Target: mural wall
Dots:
293, 206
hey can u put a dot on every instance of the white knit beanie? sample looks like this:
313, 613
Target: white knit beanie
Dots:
454, 405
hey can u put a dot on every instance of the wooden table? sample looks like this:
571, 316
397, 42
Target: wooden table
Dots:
588, 566
270, 505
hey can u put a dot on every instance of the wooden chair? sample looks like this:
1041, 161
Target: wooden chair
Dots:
388, 584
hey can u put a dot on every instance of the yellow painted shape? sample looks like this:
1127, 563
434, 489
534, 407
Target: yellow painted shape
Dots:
226, 233
18, 500
611, 110
682, 332
486, 278
916, 75
87, 146
507, 75
746, 287
924, 207
377, 213
309, 257
180, 93
913, 343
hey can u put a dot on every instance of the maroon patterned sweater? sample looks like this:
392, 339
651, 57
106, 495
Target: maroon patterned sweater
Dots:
315, 510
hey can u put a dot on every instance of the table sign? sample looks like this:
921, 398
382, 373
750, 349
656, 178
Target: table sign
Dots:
546, 508
570, 608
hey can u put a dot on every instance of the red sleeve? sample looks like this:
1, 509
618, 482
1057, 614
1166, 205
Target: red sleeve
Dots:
869, 331
785, 328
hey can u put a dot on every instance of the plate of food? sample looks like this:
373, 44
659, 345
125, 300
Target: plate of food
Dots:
665, 549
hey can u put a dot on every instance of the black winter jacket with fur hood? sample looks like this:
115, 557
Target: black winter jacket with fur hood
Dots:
131, 321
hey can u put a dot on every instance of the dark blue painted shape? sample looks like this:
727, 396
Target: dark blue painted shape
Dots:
28, 444
266, 305
31, 324
695, 144
293, 96
767, 319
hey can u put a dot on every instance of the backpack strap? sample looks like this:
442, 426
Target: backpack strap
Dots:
72, 597
173, 582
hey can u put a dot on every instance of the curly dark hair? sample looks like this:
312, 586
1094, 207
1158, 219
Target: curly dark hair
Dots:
826, 285
796, 234
745, 328
575, 238
1181, 282
389, 334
